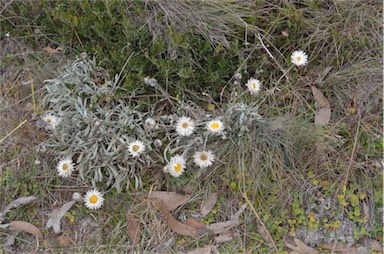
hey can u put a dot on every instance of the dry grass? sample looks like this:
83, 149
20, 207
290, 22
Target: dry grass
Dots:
215, 21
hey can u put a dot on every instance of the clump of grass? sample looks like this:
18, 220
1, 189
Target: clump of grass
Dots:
215, 21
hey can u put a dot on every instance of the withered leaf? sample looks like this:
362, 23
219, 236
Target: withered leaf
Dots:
52, 51
343, 248
64, 240
284, 33
372, 244
177, 226
11, 238
204, 250
323, 111
209, 204
193, 223
16, 203
226, 237
25, 227
57, 214
200, 227
171, 200
133, 227
298, 246
221, 227
236, 215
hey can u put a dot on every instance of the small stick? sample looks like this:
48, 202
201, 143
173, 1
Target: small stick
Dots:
17, 127
261, 222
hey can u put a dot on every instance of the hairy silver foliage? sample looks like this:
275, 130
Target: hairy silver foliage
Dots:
242, 117
97, 125
95, 128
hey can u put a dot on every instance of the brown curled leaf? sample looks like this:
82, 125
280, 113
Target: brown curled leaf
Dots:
221, 227
171, 200
133, 227
25, 227
177, 226
226, 237
323, 111
298, 246
209, 204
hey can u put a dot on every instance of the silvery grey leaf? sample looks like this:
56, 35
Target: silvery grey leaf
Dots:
57, 214
16, 203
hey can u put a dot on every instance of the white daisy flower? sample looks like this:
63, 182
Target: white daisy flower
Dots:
254, 86
76, 196
185, 126
177, 165
93, 199
204, 159
51, 120
65, 167
136, 148
299, 58
215, 126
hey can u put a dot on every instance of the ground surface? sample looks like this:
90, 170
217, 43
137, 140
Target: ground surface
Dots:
304, 188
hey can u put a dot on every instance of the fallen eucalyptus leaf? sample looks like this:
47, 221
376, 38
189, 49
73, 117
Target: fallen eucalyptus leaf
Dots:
177, 226
323, 111
209, 204
226, 237
133, 227
10, 240
221, 227
372, 244
343, 248
171, 200
194, 223
57, 214
236, 215
298, 246
201, 228
203, 250
16, 203
25, 227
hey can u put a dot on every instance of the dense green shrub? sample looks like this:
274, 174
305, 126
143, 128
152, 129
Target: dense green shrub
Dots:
198, 52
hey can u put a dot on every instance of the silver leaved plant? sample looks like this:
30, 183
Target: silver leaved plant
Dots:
99, 120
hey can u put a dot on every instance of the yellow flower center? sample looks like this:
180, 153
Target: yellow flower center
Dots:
177, 167
185, 125
215, 125
298, 58
93, 199
203, 157
65, 166
135, 148
254, 85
